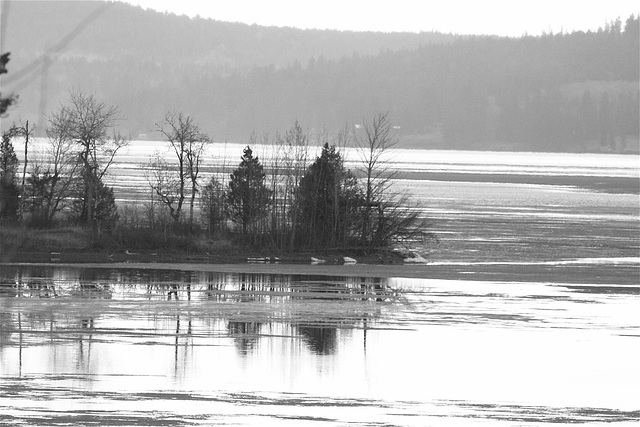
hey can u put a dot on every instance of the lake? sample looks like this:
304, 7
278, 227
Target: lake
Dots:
525, 313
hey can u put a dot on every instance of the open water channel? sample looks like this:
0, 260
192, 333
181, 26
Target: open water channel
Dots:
526, 313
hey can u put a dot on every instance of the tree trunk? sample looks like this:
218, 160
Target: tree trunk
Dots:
191, 204
24, 169
88, 186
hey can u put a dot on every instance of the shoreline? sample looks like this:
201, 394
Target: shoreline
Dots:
609, 278
229, 257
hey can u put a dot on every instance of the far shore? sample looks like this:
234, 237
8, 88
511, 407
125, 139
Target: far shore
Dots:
606, 184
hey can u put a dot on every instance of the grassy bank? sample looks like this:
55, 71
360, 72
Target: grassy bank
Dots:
142, 245
76, 244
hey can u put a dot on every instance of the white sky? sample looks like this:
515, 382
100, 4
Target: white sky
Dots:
500, 17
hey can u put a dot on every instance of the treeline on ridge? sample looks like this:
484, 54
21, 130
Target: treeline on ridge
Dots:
556, 92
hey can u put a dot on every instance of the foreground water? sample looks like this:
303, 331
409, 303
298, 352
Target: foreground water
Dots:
118, 346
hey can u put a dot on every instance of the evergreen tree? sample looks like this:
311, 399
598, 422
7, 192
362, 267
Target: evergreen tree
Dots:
248, 196
42, 196
9, 192
5, 103
105, 211
327, 199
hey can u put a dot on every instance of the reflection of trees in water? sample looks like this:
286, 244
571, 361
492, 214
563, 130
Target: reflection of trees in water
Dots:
41, 288
84, 337
247, 307
51, 282
169, 284
92, 284
34, 282
245, 334
321, 339
188, 285
245, 287
185, 332
43, 321
6, 328
9, 323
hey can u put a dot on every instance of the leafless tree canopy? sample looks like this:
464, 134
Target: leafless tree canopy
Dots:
172, 184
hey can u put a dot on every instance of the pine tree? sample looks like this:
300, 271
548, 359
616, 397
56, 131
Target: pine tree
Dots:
105, 211
248, 196
326, 201
5, 103
9, 193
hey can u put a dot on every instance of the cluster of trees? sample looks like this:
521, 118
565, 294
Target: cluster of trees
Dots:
9, 192
70, 178
291, 203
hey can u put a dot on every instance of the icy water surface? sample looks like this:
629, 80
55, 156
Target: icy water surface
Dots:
120, 346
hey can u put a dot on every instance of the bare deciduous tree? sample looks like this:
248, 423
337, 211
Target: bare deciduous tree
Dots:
87, 123
54, 176
163, 181
295, 157
213, 205
188, 144
373, 146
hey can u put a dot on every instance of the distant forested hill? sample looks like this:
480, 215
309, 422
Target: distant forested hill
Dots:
556, 92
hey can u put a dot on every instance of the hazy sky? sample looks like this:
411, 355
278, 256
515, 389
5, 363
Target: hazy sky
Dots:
501, 17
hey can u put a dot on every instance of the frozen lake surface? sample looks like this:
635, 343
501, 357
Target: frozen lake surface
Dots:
116, 346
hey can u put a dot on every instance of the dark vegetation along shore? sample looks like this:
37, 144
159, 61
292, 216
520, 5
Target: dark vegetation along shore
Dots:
75, 245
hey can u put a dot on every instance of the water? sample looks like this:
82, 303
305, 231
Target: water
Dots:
516, 163
525, 314
121, 346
